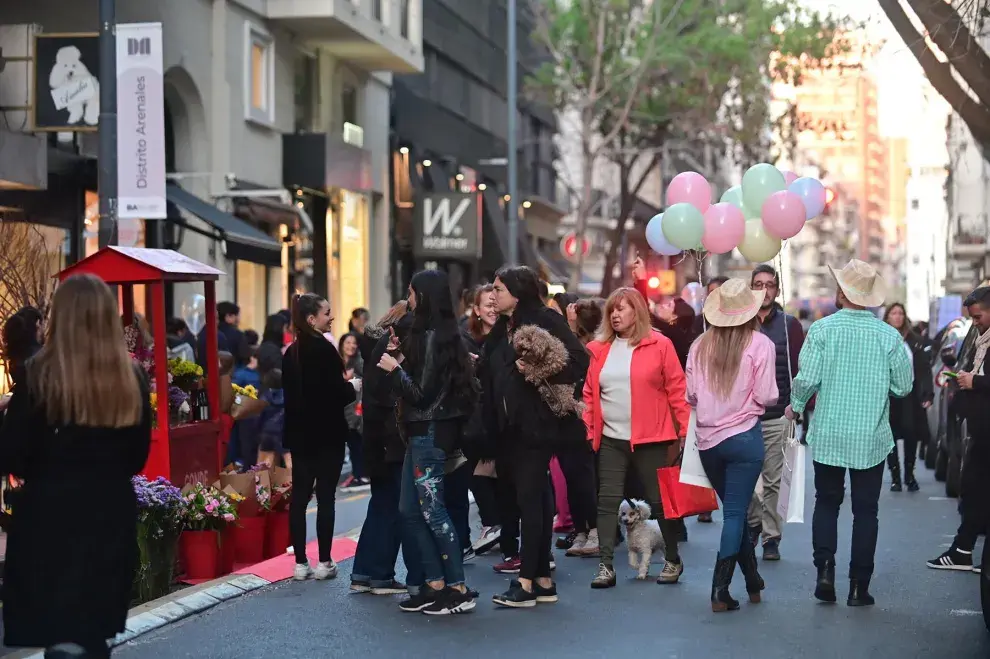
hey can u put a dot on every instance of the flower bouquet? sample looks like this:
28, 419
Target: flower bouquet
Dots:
159, 524
184, 374
179, 410
246, 403
207, 512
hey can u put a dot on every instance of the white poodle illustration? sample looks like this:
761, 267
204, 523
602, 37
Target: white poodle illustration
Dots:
74, 88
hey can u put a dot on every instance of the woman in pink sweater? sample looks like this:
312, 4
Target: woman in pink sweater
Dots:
730, 382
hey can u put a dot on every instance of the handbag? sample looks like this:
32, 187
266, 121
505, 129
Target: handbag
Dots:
692, 471
790, 502
682, 499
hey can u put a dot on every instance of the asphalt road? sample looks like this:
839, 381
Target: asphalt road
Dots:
919, 612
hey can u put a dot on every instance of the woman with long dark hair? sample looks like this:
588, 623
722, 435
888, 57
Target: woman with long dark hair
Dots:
533, 366
908, 418
437, 390
350, 352
22, 336
81, 414
316, 394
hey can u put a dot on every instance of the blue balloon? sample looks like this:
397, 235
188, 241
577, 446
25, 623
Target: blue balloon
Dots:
812, 194
654, 236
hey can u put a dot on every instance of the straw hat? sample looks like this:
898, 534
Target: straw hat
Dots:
861, 284
732, 304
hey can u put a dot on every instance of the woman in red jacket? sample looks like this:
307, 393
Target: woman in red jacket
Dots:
635, 411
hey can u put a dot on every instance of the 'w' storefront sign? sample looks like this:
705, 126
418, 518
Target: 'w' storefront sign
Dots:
448, 225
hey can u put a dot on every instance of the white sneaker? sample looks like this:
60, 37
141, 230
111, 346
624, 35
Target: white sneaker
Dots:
302, 572
325, 571
577, 548
487, 540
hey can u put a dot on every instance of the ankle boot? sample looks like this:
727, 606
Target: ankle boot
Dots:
721, 599
909, 480
749, 567
895, 476
825, 586
859, 593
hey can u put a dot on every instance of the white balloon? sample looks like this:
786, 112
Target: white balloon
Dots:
194, 312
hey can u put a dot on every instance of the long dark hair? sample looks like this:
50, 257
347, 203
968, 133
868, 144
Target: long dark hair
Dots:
435, 312
274, 330
20, 335
524, 285
564, 300
304, 306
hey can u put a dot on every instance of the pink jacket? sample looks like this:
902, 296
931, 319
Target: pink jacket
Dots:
660, 412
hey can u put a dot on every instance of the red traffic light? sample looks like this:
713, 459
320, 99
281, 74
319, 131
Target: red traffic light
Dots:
569, 246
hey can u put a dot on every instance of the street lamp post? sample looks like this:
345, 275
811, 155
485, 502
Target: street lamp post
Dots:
513, 205
107, 182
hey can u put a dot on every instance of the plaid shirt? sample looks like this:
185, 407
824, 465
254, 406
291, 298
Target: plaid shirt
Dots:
854, 362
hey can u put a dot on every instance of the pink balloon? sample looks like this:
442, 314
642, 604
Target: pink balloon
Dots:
789, 177
783, 214
725, 227
690, 188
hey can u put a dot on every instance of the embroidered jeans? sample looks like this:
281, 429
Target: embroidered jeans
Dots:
426, 523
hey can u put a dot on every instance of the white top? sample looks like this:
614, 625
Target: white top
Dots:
616, 391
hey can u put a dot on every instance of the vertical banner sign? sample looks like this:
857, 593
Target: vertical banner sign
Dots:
140, 122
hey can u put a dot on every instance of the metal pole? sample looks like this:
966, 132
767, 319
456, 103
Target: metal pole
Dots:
513, 205
108, 123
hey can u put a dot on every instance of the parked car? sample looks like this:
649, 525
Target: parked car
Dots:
949, 436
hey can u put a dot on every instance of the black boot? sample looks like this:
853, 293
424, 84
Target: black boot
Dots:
859, 593
825, 586
721, 599
753, 535
895, 472
909, 480
749, 567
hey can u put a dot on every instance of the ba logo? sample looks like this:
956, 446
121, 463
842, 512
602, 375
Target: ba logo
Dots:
139, 46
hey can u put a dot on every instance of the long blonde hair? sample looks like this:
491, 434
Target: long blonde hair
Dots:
83, 375
719, 355
641, 326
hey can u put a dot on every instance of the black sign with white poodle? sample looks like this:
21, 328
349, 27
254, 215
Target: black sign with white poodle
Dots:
66, 87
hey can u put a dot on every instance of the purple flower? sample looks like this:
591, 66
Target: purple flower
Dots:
176, 397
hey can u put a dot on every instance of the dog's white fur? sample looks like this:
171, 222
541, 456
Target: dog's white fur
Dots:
69, 67
643, 535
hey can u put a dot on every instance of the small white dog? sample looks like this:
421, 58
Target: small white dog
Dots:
643, 535
69, 69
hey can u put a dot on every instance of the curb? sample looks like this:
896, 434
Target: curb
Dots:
172, 608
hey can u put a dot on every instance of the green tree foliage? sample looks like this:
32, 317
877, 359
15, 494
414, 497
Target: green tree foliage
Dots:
638, 75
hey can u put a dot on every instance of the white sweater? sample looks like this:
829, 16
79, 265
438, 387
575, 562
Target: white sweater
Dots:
616, 391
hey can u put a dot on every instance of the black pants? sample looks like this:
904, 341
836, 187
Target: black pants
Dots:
974, 493
356, 449
317, 472
578, 466
534, 498
830, 487
456, 485
907, 418
485, 496
508, 507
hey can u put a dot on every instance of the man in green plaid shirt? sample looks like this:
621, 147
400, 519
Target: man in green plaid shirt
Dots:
854, 362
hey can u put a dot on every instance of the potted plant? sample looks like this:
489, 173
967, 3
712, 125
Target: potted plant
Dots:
207, 512
160, 521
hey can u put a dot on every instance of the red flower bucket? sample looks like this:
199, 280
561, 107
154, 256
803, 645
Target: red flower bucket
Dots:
249, 540
277, 534
226, 565
200, 551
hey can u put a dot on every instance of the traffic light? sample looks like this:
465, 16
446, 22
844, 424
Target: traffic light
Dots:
653, 282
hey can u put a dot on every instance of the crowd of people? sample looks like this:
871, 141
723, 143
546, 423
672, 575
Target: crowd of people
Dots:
555, 413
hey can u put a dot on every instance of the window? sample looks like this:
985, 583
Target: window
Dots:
404, 18
349, 104
376, 9
306, 80
252, 293
259, 74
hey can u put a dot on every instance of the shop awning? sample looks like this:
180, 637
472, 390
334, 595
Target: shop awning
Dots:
244, 242
268, 206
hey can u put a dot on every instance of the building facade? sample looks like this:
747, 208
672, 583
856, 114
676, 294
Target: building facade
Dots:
244, 79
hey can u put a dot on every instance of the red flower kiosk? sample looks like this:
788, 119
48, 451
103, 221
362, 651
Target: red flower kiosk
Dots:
188, 453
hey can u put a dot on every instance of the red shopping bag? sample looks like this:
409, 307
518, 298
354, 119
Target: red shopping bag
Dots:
683, 500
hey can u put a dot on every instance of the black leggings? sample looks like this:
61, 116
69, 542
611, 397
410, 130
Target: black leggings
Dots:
485, 496
317, 472
508, 506
534, 498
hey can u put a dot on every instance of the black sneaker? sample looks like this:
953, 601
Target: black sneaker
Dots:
469, 554
954, 559
416, 603
516, 597
360, 586
566, 541
394, 588
450, 602
546, 595
771, 550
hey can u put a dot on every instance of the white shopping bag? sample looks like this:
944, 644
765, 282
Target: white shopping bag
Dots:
692, 473
790, 504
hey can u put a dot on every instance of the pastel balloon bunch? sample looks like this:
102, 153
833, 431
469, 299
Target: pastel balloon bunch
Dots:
769, 206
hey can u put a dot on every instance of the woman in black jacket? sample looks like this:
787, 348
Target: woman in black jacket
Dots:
437, 390
316, 394
533, 365
908, 416
65, 431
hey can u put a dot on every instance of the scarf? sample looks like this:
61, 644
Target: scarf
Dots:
982, 344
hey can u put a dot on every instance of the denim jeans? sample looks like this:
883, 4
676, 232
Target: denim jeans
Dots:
426, 522
733, 467
830, 488
381, 534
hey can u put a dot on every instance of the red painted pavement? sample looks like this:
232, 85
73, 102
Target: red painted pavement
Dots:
281, 567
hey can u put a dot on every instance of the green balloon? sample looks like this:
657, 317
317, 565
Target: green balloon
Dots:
683, 225
751, 214
759, 182
733, 196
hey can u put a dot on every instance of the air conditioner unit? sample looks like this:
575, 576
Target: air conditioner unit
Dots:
354, 135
